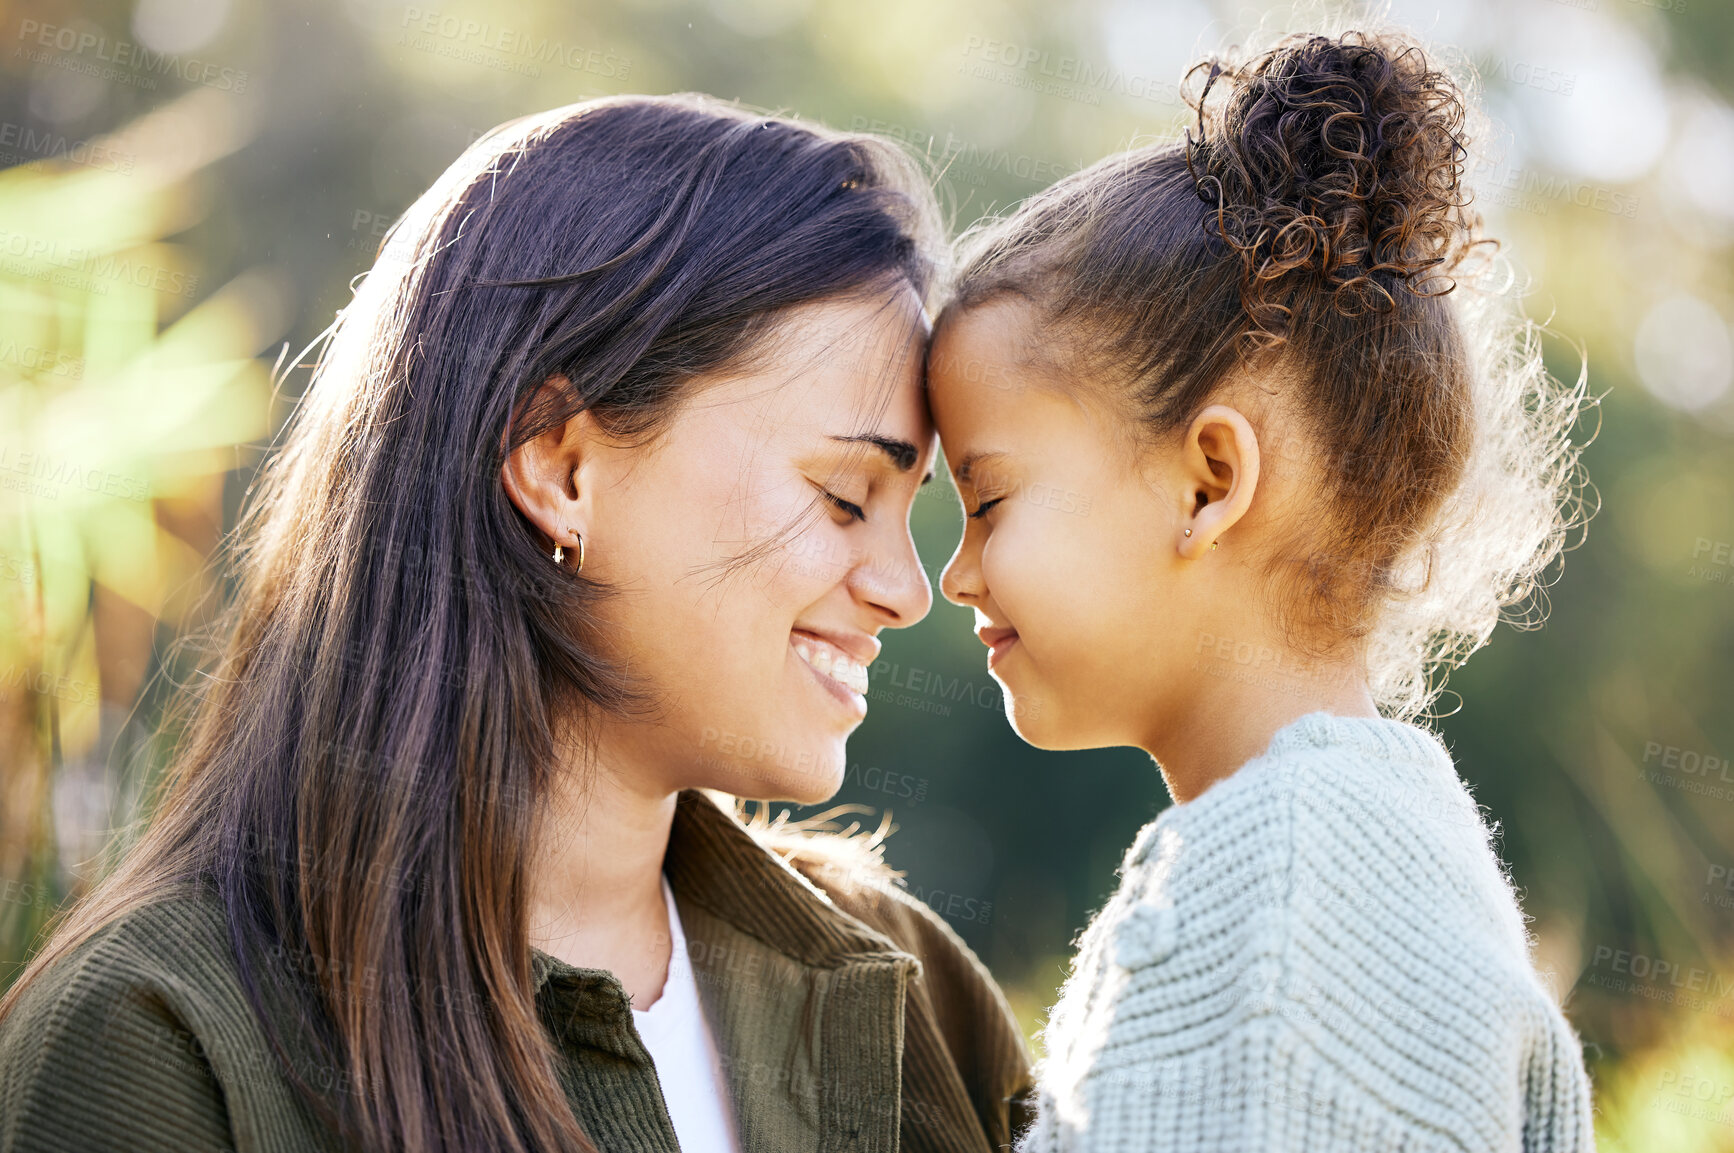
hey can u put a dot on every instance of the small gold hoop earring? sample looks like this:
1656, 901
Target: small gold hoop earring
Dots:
560, 553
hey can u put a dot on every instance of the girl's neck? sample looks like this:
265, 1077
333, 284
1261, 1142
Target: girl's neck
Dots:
1227, 723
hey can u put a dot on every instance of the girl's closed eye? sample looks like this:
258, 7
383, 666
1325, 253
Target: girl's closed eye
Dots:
981, 509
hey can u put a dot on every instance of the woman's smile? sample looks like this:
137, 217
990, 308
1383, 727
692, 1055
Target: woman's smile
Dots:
834, 668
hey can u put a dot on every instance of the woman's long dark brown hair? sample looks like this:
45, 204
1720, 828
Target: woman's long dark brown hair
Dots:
360, 768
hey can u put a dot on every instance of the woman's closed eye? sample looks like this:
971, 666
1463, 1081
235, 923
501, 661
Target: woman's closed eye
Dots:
981, 509
855, 511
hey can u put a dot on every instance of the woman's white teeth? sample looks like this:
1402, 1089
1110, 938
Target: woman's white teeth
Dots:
837, 665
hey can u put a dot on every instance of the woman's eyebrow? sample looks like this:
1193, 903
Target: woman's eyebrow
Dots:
901, 452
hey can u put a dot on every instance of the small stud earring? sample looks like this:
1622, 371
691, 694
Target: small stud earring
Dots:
1213, 545
1188, 532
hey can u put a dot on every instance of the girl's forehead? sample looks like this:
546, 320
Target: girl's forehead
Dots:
1007, 322
1004, 343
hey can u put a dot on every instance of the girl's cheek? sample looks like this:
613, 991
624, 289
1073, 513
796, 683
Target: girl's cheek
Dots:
1025, 565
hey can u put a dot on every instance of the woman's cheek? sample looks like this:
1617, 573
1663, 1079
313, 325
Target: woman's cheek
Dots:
807, 566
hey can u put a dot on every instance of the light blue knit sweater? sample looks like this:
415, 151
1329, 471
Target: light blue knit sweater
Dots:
1319, 952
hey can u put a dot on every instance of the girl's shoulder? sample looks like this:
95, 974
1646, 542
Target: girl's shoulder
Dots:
1338, 897
1321, 777
1345, 829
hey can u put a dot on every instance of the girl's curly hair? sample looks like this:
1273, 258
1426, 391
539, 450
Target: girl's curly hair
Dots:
1334, 167
1312, 232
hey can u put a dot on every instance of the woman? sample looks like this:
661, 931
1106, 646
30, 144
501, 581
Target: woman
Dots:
598, 499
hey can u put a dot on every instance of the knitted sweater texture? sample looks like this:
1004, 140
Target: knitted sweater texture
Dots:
1319, 952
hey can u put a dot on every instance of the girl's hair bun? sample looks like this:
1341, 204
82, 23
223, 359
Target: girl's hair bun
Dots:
1333, 164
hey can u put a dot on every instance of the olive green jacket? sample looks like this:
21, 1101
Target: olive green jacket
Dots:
848, 1017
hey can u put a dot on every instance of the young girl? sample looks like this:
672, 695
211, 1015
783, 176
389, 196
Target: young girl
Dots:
1313, 473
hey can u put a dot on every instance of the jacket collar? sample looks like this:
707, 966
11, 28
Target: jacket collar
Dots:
715, 862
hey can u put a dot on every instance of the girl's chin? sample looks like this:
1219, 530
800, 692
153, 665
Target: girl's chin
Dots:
1034, 724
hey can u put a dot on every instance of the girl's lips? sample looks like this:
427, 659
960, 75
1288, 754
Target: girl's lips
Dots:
998, 642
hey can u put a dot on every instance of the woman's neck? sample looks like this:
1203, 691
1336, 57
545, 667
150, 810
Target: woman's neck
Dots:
595, 875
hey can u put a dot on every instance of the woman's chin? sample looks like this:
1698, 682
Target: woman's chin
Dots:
796, 772
807, 787
814, 789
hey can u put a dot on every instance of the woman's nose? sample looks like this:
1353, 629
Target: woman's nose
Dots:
895, 582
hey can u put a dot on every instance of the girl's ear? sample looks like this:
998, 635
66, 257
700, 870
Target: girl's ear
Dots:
542, 476
1219, 470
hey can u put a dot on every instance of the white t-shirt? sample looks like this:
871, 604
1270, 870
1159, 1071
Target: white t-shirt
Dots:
674, 1030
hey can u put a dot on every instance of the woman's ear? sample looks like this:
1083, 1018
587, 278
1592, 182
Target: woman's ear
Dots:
1219, 467
542, 476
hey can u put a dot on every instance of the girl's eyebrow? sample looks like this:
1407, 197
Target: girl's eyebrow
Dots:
973, 459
